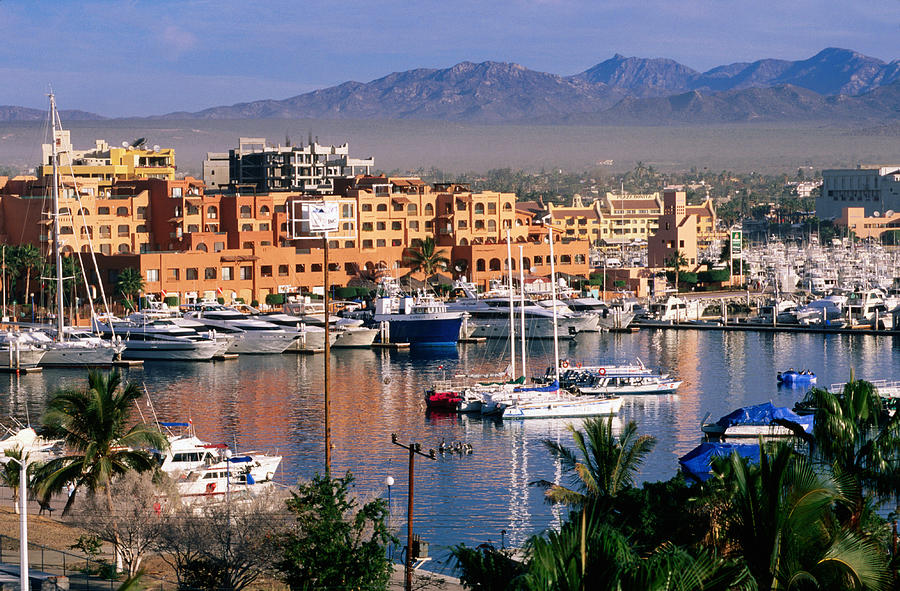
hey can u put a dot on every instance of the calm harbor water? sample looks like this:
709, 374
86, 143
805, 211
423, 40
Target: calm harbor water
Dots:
274, 403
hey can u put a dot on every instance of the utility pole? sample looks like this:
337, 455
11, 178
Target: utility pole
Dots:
413, 448
327, 365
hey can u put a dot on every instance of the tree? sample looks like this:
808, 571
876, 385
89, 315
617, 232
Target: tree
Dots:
139, 501
676, 260
130, 283
10, 472
225, 546
426, 257
334, 543
780, 515
93, 424
28, 258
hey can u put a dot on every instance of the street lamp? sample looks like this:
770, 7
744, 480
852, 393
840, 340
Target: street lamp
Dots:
23, 520
389, 481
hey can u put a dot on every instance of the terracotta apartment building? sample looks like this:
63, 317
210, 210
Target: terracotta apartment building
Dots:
192, 244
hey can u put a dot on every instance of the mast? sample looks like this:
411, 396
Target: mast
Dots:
553, 295
57, 247
522, 311
512, 313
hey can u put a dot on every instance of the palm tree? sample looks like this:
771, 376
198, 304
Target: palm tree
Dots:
426, 257
11, 471
606, 466
676, 260
129, 283
780, 514
93, 424
28, 257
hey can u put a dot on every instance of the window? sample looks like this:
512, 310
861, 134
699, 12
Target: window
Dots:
212, 212
227, 273
411, 209
398, 207
381, 207
367, 207
346, 210
479, 224
102, 211
428, 225
248, 245
141, 228
86, 231
414, 226
507, 206
123, 230
84, 211
152, 275
122, 211
209, 273
367, 227
105, 249
538, 259
173, 274
190, 274
462, 225
492, 207
316, 267
349, 244
105, 231
492, 225
460, 205
380, 242
283, 270
300, 268
193, 209
247, 273
429, 209
479, 209
380, 226
264, 227
245, 211
202, 247
124, 248
177, 191
67, 230
264, 210
218, 246
367, 244
396, 226
246, 227
145, 247
280, 209
396, 242
193, 228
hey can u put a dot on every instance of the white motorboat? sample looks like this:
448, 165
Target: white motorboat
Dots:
163, 340
673, 310
27, 441
79, 349
251, 335
563, 405
608, 318
231, 478
489, 318
17, 352
625, 384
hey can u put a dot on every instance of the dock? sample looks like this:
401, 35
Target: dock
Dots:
307, 351
20, 370
740, 327
394, 346
473, 340
128, 363
225, 357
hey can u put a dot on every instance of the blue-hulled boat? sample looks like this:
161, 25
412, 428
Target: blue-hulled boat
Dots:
419, 321
795, 378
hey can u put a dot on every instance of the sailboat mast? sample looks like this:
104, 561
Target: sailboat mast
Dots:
512, 313
522, 311
553, 295
57, 247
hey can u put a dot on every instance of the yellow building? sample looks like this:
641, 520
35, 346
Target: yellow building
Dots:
105, 164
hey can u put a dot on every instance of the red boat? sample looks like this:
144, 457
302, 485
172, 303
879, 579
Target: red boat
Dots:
443, 401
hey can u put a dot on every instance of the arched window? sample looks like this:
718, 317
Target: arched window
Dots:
507, 206
479, 224
479, 209
463, 242
245, 211
83, 211
381, 207
495, 265
246, 227
492, 226
212, 212
85, 248
123, 248
412, 209
121, 211
479, 265
264, 210
68, 249
429, 209
202, 247
565, 259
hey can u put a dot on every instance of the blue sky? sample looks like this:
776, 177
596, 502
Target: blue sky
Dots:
134, 57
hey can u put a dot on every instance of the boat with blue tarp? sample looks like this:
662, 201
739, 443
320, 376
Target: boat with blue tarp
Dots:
753, 421
697, 462
796, 378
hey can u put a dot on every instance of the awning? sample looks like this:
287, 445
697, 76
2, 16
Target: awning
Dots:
238, 258
399, 199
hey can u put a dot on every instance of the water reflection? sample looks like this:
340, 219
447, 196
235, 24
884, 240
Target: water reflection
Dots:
275, 403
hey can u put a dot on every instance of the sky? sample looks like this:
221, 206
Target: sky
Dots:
144, 57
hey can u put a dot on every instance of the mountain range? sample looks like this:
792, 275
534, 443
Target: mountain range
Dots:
834, 85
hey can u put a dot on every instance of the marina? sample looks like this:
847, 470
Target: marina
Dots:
273, 404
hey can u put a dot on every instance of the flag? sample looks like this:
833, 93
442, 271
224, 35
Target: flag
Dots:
219, 291
163, 293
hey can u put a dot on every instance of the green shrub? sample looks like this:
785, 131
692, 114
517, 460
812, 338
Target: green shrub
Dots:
345, 293
171, 301
255, 303
275, 299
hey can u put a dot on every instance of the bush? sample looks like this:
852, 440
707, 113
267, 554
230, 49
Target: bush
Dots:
255, 303
221, 300
275, 299
687, 277
345, 293
171, 301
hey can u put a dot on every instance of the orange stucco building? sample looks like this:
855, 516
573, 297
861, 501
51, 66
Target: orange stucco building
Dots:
242, 245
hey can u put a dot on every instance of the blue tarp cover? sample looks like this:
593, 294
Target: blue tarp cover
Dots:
697, 461
175, 424
551, 388
763, 414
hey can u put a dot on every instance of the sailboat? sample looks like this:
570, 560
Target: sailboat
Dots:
67, 347
550, 401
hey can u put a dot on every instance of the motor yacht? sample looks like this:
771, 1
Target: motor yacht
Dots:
252, 335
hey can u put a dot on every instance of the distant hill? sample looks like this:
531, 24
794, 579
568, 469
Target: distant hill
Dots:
833, 85
9, 113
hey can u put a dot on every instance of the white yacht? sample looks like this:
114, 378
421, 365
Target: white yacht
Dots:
607, 317
673, 310
251, 335
19, 352
161, 340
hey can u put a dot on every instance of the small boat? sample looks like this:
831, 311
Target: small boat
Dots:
753, 421
27, 441
795, 378
561, 405
231, 477
696, 463
624, 384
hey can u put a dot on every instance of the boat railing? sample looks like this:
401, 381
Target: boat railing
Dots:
890, 388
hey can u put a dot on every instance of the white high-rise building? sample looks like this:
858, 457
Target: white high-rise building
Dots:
876, 188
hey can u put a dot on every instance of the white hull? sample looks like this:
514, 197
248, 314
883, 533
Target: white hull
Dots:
310, 341
563, 406
11, 357
171, 350
658, 387
357, 337
74, 355
616, 320
742, 431
535, 327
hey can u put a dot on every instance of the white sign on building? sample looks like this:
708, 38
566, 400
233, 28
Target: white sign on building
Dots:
313, 217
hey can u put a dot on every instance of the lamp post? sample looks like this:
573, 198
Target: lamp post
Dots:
23, 520
389, 481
